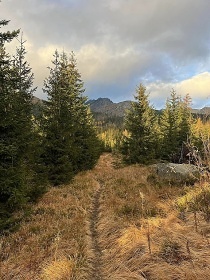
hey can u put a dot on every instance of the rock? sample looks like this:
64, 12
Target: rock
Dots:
178, 173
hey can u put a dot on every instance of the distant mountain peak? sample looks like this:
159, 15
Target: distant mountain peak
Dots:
106, 106
101, 101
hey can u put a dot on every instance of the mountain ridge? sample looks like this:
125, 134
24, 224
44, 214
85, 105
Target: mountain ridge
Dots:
106, 106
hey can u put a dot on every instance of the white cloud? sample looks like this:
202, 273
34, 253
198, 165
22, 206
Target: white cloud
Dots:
91, 60
45, 54
198, 87
98, 62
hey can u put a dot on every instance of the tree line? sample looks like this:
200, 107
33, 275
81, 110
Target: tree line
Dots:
47, 150
147, 135
172, 135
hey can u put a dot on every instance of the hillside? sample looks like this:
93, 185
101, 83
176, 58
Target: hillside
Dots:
203, 111
114, 222
104, 107
101, 105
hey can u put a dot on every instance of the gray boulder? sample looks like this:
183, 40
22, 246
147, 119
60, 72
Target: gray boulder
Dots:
178, 173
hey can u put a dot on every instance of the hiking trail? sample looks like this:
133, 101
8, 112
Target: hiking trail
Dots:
96, 259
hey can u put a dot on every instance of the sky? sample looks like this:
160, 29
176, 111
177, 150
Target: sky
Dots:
119, 44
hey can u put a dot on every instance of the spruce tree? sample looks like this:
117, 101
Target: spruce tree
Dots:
7, 147
140, 144
71, 142
170, 127
175, 127
16, 129
185, 119
7, 36
28, 140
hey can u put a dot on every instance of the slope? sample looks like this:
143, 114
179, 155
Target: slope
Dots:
114, 222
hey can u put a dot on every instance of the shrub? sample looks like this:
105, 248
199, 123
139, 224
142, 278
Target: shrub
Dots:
170, 251
196, 200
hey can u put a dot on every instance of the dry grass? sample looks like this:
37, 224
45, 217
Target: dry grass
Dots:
141, 232
52, 244
57, 270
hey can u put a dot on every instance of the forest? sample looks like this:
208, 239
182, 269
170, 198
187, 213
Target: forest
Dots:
50, 148
80, 196
36, 152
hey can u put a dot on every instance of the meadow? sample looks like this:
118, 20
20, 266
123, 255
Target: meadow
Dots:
116, 222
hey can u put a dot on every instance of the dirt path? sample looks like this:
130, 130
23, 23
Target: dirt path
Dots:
96, 259
107, 259
103, 168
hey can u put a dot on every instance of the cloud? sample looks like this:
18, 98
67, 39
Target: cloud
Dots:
107, 65
198, 87
160, 43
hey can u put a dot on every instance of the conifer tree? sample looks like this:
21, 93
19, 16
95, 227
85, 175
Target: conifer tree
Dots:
140, 145
7, 148
185, 119
23, 90
27, 139
5, 70
16, 128
170, 127
7, 36
71, 142
175, 127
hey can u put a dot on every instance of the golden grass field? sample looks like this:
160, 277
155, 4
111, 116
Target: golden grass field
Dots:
114, 222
